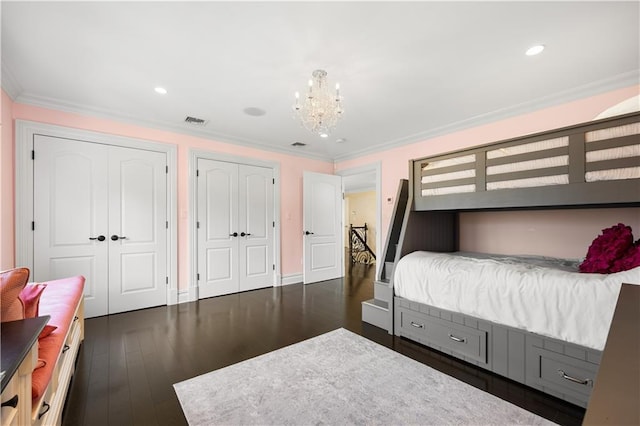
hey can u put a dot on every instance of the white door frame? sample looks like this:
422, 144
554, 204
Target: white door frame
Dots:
377, 168
25, 131
194, 155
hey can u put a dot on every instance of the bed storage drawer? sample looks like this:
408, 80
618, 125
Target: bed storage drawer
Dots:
447, 336
566, 376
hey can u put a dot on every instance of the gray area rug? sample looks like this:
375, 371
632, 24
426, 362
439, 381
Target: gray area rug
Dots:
340, 378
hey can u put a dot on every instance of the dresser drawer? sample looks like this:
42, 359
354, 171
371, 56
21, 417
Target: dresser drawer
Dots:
561, 373
466, 341
444, 335
413, 325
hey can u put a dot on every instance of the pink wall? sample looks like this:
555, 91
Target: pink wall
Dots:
558, 233
394, 167
395, 161
291, 170
7, 257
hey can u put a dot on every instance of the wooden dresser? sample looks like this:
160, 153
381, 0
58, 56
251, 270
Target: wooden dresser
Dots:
616, 396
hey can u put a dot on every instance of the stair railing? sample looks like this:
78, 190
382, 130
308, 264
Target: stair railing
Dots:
358, 247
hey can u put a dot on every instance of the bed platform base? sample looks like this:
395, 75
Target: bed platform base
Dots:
564, 370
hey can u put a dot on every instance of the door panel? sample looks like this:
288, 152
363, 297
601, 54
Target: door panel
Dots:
219, 262
218, 221
70, 207
137, 222
322, 211
323, 256
256, 221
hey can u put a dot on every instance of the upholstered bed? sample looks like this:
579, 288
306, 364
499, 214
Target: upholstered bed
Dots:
535, 320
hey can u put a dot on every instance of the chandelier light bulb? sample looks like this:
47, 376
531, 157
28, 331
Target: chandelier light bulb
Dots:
321, 109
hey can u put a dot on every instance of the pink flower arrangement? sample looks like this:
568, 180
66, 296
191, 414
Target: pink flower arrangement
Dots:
612, 251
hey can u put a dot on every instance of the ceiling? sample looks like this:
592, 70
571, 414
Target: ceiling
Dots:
407, 70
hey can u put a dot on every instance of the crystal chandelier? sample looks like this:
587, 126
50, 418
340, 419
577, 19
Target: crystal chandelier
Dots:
321, 108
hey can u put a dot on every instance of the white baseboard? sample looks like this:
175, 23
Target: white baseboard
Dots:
188, 295
291, 279
183, 296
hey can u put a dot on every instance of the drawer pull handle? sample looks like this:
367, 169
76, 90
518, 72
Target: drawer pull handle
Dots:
45, 411
416, 325
573, 379
13, 402
457, 339
66, 348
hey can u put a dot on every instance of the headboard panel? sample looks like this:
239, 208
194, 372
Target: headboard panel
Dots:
595, 163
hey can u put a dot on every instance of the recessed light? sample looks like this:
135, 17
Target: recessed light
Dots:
341, 140
324, 135
534, 50
161, 90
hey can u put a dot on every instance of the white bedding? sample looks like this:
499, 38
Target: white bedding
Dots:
540, 295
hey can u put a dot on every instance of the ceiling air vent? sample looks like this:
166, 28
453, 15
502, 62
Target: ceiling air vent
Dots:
298, 144
195, 121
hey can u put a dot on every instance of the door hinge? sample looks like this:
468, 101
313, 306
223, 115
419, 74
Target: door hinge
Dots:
274, 267
166, 280
166, 169
198, 277
167, 224
33, 226
274, 223
343, 195
198, 224
33, 154
197, 173
274, 180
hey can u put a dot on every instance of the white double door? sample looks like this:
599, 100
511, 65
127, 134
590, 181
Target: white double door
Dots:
101, 211
235, 227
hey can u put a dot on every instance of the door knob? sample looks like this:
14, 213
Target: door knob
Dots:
116, 238
307, 233
242, 234
235, 234
99, 238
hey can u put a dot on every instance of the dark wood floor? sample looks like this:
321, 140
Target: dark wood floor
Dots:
129, 362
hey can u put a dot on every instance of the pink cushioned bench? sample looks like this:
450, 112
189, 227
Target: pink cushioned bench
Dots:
63, 301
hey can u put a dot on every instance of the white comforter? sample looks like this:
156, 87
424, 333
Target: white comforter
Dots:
549, 300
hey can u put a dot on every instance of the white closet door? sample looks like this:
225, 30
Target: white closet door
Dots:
218, 233
322, 221
70, 214
137, 229
255, 245
84, 193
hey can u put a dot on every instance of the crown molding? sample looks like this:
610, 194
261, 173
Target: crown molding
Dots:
70, 107
9, 83
602, 86
12, 88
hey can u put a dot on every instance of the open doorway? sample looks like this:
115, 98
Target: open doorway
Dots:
361, 221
